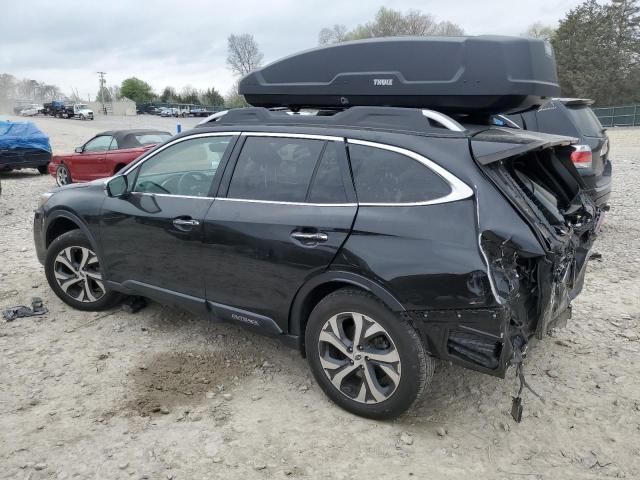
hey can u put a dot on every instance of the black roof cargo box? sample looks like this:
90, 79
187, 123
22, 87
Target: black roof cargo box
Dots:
470, 75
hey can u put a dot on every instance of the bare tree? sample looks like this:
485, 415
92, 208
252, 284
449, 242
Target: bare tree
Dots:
391, 23
538, 30
335, 34
244, 55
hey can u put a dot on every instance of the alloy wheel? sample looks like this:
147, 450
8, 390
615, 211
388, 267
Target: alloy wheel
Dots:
359, 357
62, 175
77, 272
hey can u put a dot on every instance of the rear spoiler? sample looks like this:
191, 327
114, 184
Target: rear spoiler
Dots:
495, 144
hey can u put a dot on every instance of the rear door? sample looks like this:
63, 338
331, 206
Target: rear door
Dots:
285, 209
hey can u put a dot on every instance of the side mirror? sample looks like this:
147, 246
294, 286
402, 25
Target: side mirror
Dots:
78, 150
117, 186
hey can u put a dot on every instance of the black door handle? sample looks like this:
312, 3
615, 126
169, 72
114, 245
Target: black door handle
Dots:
310, 237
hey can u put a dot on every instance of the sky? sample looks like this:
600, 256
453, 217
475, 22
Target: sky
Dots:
65, 42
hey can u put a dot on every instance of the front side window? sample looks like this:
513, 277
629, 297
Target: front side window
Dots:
384, 176
275, 169
186, 168
98, 144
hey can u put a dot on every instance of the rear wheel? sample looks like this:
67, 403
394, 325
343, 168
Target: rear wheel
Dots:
366, 358
73, 272
63, 177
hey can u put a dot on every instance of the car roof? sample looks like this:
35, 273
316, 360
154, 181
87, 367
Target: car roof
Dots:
126, 138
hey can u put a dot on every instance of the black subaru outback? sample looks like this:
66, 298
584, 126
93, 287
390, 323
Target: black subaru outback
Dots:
344, 217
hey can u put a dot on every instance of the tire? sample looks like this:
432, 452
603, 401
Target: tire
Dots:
82, 117
63, 175
73, 272
42, 169
381, 388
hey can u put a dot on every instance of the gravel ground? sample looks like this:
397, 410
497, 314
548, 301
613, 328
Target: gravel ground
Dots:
162, 394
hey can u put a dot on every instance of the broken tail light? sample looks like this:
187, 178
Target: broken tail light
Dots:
581, 156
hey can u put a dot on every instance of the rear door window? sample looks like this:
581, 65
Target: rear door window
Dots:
385, 177
275, 169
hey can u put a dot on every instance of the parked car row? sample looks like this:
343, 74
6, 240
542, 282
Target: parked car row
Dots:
61, 109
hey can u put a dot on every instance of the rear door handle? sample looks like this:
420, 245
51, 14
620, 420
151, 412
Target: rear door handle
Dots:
310, 237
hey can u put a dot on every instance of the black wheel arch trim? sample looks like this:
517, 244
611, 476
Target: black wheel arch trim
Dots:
296, 315
82, 226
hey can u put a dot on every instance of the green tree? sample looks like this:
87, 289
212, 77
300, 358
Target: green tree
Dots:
597, 49
169, 95
211, 97
137, 90
391, 23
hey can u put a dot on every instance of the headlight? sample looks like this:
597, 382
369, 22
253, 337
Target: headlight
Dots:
44, 198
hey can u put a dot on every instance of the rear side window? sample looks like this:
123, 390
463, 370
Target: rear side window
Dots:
275, 169
383, 176
586, 121
152, 138
328, 183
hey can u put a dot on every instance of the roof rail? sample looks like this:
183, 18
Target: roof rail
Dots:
444, 120
401, 119
213, 117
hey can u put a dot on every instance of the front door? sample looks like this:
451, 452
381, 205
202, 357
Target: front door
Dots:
288, 208
85, 165
152, 237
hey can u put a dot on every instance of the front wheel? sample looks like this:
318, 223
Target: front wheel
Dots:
366, 358
82, 117
63, 177
42, 169
73, 272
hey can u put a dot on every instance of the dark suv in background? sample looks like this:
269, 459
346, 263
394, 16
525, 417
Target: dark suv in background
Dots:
374, 239
573, 117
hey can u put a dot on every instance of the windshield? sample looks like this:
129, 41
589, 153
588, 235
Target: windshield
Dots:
585, 120
81, 106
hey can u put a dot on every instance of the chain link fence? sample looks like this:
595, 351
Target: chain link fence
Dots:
621, 116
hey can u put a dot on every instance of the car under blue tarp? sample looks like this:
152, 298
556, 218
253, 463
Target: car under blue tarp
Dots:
14, 135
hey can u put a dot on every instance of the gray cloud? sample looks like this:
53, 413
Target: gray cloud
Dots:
178, 43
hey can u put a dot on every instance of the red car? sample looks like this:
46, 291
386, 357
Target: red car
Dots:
104, 155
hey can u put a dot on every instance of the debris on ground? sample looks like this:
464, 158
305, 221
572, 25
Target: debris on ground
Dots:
20, 311
134, 304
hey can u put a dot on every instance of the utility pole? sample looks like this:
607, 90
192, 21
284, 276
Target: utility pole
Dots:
102, 82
